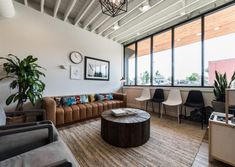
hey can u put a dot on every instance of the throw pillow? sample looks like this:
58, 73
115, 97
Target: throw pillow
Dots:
84, 99
78, 99
63, 101
105, 97
57, 101
70, 101
109, 96
101, 98
91, 98
96, 97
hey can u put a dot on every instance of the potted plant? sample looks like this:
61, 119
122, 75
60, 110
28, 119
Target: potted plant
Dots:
26, 76
220, 85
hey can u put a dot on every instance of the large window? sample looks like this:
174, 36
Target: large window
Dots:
187, 55
130, 64
162, 59
219, 44
143, 62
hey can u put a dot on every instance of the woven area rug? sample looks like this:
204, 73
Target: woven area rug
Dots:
170, 144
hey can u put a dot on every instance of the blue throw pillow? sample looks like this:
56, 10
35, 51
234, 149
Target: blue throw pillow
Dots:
101, 98
110, 97
84, 99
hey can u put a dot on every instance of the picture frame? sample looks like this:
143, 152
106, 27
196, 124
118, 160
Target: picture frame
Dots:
96, 69
75, 72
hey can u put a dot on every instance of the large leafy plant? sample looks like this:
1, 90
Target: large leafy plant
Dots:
220, 85
26, 76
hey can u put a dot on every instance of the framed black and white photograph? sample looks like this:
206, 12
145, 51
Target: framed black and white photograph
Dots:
96, 69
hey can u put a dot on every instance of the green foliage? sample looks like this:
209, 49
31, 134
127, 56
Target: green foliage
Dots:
220, 85
26, 78
145, 78
193, 77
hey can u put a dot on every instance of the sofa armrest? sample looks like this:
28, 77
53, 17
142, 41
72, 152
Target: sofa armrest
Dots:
122, 97
49, 105
30, 128
6, 127
63, 163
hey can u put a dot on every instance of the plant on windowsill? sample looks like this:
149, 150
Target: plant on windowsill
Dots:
220, 85
26, 76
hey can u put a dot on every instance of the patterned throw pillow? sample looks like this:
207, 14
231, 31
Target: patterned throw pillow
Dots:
101, 98
109, 96
63, 101
78, 99
57, 101
72, 100
91, 98
96, 97
84, 99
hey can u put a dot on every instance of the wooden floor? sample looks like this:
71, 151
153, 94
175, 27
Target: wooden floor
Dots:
201, 159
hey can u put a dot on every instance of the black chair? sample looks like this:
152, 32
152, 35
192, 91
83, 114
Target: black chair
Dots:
195, 100
158, 97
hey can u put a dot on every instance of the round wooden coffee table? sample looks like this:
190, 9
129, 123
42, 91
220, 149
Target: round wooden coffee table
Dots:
125, 131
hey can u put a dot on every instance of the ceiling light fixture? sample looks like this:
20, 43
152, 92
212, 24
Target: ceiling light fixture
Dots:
182, 13
116, 26
113, 7
145, 7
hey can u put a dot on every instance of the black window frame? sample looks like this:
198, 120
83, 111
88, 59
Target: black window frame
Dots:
172, 28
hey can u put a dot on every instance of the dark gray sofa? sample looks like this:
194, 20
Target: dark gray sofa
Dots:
32, 144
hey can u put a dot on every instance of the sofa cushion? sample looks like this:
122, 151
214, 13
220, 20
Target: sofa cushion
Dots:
82, 108
100, 107
94, 109
43, 156
76, 112
68, 114
59, 116
88, 110
18, 143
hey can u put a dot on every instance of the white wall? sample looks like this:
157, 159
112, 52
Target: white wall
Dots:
51, 40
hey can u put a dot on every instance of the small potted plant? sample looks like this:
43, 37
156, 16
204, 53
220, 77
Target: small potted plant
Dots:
220, 85
26, 76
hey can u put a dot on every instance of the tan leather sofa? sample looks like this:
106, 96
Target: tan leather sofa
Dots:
74, 113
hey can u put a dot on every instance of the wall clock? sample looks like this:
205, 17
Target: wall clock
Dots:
76, 57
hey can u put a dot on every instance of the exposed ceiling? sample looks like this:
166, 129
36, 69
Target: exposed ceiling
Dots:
133, 25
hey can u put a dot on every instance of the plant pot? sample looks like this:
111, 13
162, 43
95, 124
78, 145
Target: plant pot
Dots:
218, 106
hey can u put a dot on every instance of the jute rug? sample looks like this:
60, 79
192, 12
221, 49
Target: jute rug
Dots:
170, 144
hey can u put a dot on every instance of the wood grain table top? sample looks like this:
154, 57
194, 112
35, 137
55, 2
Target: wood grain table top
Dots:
140, 116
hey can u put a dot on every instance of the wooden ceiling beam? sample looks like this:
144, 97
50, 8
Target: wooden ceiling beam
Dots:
91, 17
56, 8
69, 9
26, 2
42, 6
79, 17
